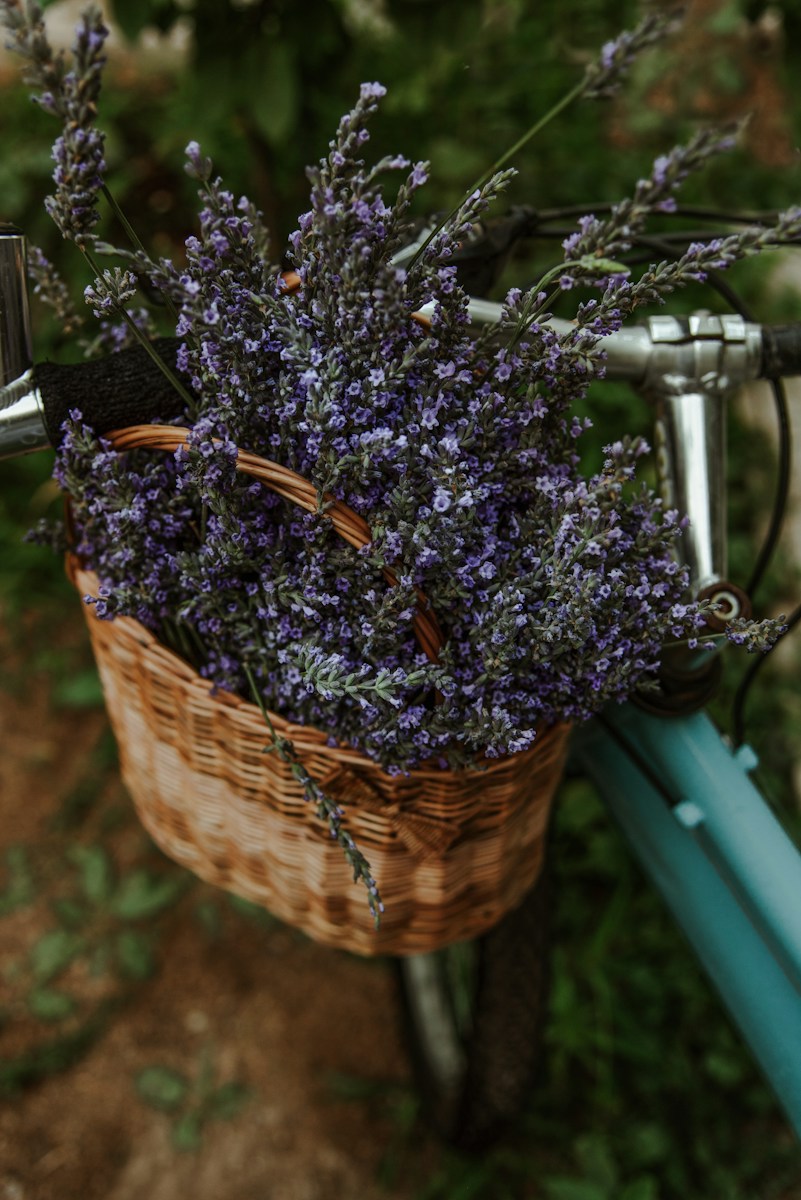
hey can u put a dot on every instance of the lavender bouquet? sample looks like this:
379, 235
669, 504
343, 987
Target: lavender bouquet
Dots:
555, 592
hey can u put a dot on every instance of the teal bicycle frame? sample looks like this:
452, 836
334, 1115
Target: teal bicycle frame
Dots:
724, 865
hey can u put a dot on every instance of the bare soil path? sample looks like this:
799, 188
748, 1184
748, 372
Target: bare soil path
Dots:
301, 1040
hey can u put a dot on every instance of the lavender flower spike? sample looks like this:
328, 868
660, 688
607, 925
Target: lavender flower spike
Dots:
110, 292
72, 97
604, 77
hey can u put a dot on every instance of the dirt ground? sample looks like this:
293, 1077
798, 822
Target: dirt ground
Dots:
306, 1036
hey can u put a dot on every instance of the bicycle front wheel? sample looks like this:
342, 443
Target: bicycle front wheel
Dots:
474, 1015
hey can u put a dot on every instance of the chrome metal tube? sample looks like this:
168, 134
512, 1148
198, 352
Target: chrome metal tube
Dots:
627, 352
690, 434
15, 325
695, 365
22, 423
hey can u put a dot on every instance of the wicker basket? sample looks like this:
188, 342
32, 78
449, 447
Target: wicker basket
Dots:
452, 850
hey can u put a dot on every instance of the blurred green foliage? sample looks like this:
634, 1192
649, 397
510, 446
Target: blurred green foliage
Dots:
643, 1076
262, 86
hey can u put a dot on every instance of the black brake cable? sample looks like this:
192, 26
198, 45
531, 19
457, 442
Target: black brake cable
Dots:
747, 681
646, 769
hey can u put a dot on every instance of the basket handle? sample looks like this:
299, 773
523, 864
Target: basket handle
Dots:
293, 487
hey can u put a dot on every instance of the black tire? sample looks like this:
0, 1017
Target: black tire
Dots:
474, 1015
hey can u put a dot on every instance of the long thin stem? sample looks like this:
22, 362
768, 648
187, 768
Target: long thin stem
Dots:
567, 99
327, 809
132, 235
143, 341
257, 696
531, 310
135, 240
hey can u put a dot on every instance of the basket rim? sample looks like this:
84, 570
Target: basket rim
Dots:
303, 737
295, 488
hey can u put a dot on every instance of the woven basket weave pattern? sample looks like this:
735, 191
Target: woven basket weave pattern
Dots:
452, 851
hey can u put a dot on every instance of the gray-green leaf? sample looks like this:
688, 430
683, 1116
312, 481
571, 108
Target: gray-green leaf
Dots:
141, 894
46, 1004
79, 691
135, 958
273, 96
72, 914
20, 889
162, 1087
228, 1100
97, 876
644, 1188
186, 1132
53, 952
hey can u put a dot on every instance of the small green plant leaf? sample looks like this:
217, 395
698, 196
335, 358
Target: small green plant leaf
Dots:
20, 889
135, 958
355, 1087
228, 1100
273, 97
725, 1068
46, 1004
595, 1159
187, 1132
53, 952
209, 918
81, 690
100, 958
162, 1087
142, 895
252, 912
71, 913
97, 874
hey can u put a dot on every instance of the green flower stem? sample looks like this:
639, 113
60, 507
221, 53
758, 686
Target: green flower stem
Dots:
143, 341
131, 233
263, 710
134, 239
538, 125
327, 809
531, 310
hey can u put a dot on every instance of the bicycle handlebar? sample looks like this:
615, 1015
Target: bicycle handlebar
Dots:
781, 351
128, 387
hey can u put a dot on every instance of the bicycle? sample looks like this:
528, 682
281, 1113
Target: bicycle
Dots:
475, 1012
